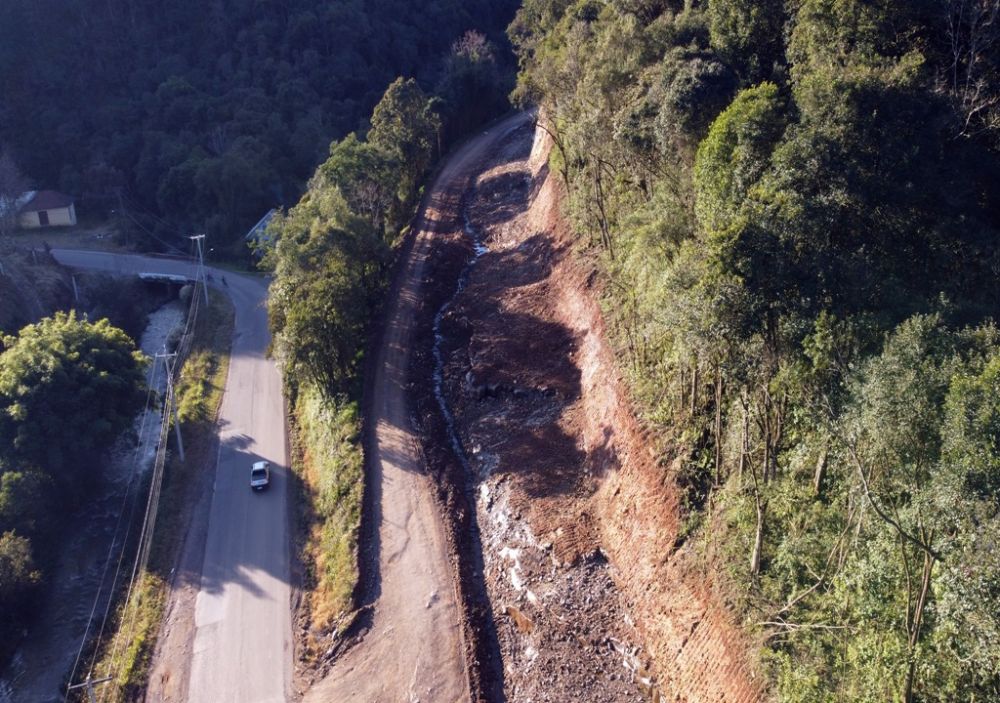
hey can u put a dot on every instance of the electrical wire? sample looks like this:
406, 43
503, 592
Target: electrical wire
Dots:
140, 451
146, 536
107, 562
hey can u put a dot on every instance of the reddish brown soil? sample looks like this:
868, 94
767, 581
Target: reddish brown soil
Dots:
575, 522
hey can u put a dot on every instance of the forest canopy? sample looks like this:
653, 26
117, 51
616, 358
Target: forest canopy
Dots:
69, 388
798, 222
201, 116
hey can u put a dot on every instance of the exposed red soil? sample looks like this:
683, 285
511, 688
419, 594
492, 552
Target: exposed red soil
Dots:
577, 522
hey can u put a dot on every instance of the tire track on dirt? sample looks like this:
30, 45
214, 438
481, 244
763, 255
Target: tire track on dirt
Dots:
418, 645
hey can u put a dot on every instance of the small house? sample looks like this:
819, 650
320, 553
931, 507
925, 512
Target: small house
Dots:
46, 208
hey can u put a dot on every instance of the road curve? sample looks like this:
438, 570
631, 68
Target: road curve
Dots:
241, 648
414, 650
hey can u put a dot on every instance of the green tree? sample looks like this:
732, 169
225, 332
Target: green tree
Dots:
68, 389
24, 501
736, 154
965, 647
329, 267
18, 575
404, 125
471, 84
696, 86
368, 178
747, 34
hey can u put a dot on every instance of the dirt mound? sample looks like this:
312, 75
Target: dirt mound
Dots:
576, 520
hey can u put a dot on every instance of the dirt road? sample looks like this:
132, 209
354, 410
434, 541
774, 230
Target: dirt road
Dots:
237, 646
414, 649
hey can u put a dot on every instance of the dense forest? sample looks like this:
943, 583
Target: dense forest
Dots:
796, 209
200, 116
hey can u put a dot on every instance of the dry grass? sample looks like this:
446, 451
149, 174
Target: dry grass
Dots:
329, 460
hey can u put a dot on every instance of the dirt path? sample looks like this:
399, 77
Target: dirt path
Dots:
508, 373
415, 649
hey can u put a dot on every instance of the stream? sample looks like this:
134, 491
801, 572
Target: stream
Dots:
90, 556
478, 249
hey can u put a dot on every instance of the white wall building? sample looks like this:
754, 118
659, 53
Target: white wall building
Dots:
46, 208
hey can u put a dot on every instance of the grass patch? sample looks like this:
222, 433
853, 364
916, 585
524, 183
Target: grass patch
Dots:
329, 460
97, 236
129, 646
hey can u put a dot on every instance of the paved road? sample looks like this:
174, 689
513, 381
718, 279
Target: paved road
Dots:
414, 650
241, 648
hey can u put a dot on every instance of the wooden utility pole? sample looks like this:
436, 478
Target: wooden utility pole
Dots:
199, 240
173, 400
89, 685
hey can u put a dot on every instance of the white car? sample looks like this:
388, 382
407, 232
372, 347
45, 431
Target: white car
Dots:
260, 475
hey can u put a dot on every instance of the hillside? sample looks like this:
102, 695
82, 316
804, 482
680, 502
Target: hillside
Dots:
31, 287
795, 217
193, 116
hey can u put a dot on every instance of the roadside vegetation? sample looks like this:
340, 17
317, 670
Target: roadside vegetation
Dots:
331, 255
131, 637
68, 389
329, 458
795, 208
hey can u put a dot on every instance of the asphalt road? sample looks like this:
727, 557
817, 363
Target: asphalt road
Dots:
241, 647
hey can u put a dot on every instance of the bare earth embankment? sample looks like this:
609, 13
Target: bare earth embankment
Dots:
576, 519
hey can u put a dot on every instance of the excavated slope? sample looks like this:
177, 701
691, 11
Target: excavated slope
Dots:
591, 598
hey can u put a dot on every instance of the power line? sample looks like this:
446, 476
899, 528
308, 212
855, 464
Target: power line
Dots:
104, 573
166, 224
140, 451
152, 504
150, 232
144, 536
132, 206
89, 685
199, 240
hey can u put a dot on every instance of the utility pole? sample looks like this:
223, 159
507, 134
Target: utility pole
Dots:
173, 400
89, 685
199, 240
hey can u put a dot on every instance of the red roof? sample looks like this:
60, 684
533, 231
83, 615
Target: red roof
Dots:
47, 200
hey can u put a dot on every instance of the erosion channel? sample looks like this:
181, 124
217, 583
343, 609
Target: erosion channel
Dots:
510, 472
